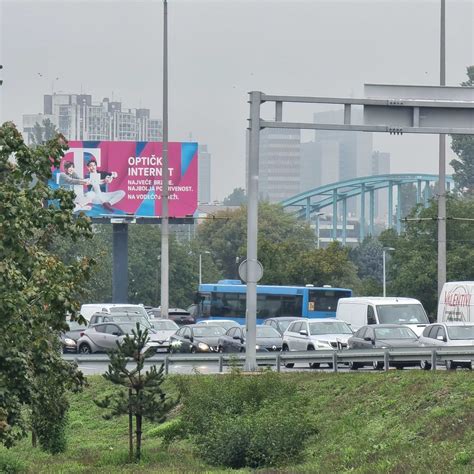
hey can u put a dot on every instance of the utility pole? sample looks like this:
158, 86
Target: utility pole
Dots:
442, 163
165, 176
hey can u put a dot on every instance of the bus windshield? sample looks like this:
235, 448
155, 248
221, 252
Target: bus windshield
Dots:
402, 314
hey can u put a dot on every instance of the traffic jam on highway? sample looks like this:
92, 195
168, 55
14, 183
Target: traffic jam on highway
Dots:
216, 325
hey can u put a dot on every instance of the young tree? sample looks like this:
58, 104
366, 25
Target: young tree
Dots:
143, 396
37, 287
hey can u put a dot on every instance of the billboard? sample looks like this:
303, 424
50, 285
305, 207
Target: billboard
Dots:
113, 179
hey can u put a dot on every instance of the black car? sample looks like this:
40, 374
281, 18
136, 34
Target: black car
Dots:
280, 324
178, 315
268, 340
69, 338
196, 338
383, 336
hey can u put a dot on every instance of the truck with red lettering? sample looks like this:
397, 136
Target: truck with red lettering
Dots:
456, 302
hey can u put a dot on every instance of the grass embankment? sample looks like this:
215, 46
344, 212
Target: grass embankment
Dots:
400, 422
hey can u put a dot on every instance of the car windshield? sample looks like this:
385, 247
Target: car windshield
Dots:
402, 314
165, 325
283, 325
394, 333
140, 310
461, 332
208, 331
132, 318
329, 327
267, 331
225, 324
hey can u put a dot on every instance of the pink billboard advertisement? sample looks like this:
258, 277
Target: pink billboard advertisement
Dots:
112, 179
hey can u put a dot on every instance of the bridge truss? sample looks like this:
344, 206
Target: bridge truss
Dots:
309, 204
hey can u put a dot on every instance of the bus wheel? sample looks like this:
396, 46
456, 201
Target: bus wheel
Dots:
288, 365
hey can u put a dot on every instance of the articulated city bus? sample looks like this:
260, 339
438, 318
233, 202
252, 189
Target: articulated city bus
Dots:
226, 299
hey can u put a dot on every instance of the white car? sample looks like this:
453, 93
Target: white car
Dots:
449, 334
314, 334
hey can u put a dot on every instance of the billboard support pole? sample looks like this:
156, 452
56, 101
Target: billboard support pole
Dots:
120, 263
165, 176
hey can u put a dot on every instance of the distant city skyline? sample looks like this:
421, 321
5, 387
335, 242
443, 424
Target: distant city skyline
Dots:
220, 50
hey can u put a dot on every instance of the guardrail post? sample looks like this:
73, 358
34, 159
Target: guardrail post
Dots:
386, 360
221, 363
166, 365
433, 359
334, 361
278, 362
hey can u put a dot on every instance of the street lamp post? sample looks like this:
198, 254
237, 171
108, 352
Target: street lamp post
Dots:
200, 265
388, 249
318, 215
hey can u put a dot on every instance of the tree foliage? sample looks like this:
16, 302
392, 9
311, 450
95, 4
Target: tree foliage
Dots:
413, 265
43, 132
143, 396
37, 288
463, 146
236, 198
286, 248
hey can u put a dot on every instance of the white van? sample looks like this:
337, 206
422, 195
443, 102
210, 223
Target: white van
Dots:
87, 310
456, 302
360, 311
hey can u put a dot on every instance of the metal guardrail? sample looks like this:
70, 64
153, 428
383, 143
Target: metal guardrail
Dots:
433, 355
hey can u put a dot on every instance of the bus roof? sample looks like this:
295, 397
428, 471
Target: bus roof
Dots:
241, 288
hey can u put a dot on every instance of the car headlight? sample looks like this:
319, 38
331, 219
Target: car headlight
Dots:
257, 347
203, 347
69, 342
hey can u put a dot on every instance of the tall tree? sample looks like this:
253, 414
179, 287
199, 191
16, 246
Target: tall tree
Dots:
43, 132
236, 198
37, 288
413, 266
463, 146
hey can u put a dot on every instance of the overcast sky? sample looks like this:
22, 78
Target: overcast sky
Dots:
219, 50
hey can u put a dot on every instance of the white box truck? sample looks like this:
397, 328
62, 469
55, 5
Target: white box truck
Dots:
456, 302
360, 311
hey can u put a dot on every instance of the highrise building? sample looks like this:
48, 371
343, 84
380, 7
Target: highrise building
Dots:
204, 175
279, 176
77, 118
335, 155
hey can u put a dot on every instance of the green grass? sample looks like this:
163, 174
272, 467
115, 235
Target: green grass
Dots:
400, 422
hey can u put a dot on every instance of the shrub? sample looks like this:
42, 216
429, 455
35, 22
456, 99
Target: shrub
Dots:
238, 421
10, 464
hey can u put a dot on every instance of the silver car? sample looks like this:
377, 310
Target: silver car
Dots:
316, 334
104, 337
448, 334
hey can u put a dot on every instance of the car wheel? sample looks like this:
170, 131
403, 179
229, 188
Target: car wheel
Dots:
450, 365
313, 365
84, 348
425, 365
376, 365
288, 365
193, 350
353, 365
220, 350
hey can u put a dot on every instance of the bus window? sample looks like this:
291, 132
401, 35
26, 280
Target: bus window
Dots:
230, 305
325, 300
